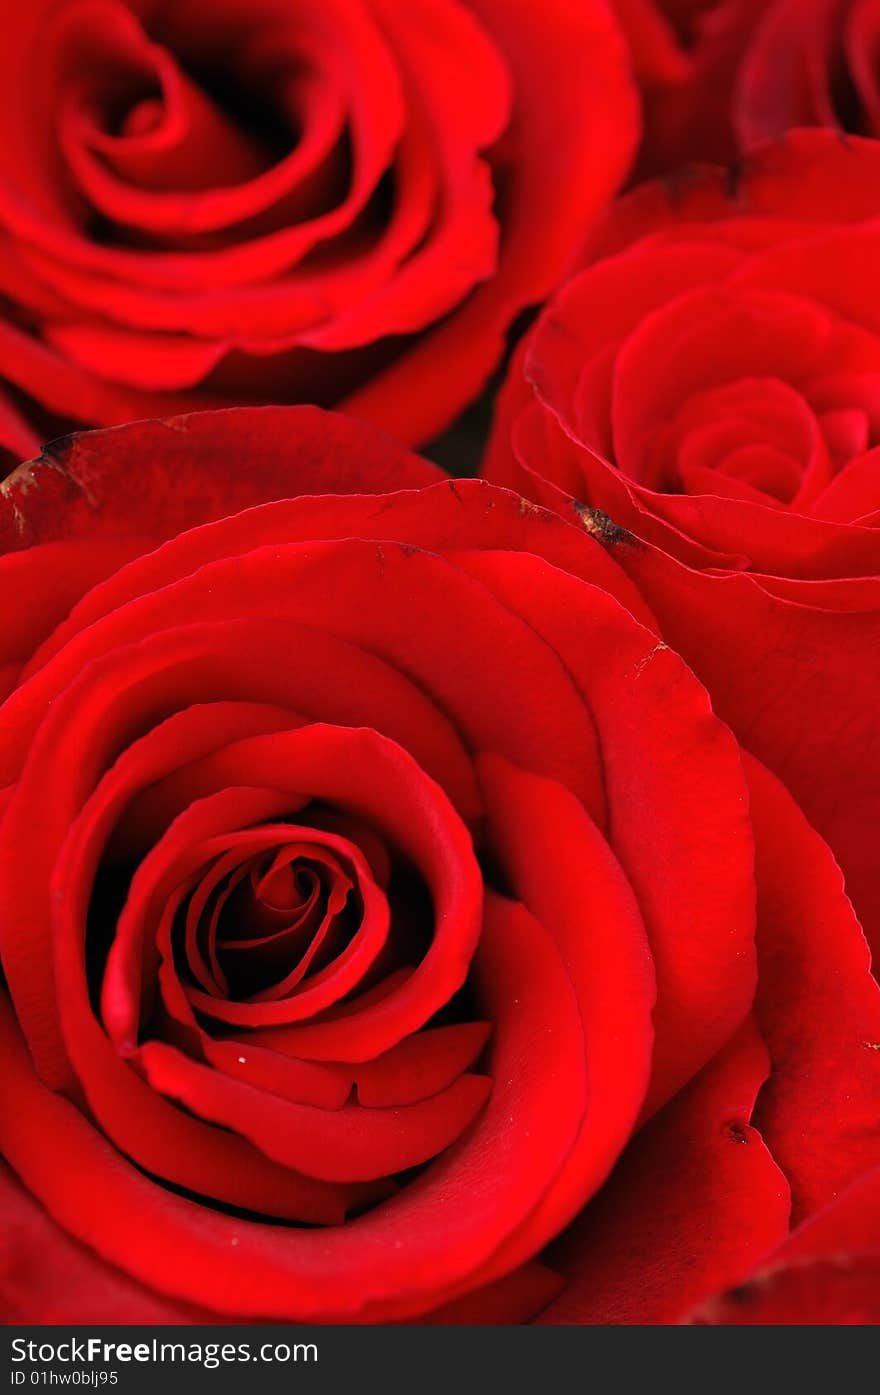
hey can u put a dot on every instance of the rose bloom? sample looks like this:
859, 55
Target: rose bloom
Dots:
382, 903
709, 387
719, 76
206, 203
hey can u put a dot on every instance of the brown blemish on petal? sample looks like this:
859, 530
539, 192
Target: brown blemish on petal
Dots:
53, 456
526, 506
744, 1293
57, 449
736, 1132
27, 476
600, 526
643, 663
454, 492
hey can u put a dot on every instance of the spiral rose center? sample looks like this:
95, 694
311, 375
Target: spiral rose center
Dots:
275, 920
188, 128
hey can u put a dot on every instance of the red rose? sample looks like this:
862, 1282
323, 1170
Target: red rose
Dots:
208, 204
710, 382
370, 871
720, 76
